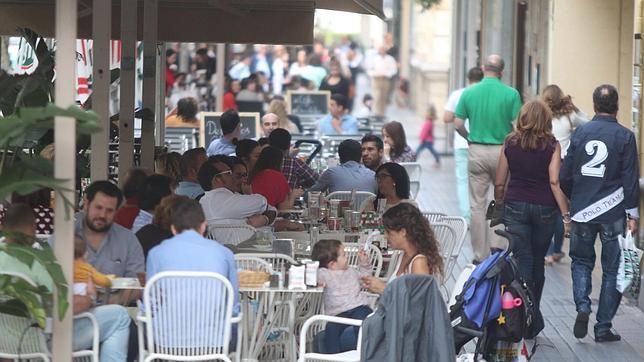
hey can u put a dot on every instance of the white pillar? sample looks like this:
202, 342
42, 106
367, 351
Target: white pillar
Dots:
221, 71
101, 31
150, 15
128, 72
159, 135
65, 165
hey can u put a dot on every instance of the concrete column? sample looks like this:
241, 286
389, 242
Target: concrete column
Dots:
150, 15
159, 135
497, 33
405, 34
101, 30
128, 73
221, 71
65, 166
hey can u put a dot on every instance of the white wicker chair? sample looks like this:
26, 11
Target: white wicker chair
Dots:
414, 188
246, 262
18, 340
231, 234
459, 226
277, 261
361, 196
433, 216
374, 254
414, 170
313, 323
191, 309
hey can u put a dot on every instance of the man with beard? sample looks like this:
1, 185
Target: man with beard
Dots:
111, 248
372, 152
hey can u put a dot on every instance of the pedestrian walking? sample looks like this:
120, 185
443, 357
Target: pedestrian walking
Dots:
381, 69
427, 135
600, 176
474, 75
533, 198
566, 117
491, 107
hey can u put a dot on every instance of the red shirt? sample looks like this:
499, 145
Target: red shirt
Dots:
127, 213
427, 132
229, 101
272, 185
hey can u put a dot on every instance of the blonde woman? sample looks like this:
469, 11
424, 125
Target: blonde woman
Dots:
278, 107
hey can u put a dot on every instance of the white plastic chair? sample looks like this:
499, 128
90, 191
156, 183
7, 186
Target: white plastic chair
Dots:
33, 344
277, 261
349, 356
459, 226
433, 216
414, 170
361, 196
374, 254
231, 234
187, 317
246, 262
414, 188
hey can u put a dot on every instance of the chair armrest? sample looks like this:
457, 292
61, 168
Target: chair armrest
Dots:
327, 318
237, 319
94, 322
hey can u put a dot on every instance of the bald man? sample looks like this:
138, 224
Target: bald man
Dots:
270, 121
491, 107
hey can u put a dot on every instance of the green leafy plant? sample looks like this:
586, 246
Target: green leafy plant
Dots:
28, 115
24, 299
427, 4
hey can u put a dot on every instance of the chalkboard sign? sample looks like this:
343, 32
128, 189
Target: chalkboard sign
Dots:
210, 128
308, 103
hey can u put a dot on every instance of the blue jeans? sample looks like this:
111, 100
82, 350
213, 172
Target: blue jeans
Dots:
531, 226
462, 188
430, 147
341, 337
557, 238
113, 331
582, 252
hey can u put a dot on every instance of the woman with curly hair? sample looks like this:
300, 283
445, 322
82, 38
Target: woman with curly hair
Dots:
566, 117
408, 230
533, 197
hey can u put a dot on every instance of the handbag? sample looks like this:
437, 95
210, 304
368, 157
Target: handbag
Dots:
628, 274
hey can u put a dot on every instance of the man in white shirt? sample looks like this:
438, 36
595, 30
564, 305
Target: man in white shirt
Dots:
222, 205
474, 75
381, 69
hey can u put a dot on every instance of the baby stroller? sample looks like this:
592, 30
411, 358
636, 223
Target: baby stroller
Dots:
478, 311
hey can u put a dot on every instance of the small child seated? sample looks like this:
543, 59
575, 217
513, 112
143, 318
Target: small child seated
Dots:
83, 271
342, 295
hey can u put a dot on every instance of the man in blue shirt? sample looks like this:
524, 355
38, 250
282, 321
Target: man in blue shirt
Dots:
191, 161
338, 121
600, 176
188, 250
350, 174
231, 130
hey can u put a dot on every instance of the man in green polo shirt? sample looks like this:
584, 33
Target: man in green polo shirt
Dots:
491, 107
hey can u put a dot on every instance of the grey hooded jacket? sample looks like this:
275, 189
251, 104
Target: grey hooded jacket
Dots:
410, 323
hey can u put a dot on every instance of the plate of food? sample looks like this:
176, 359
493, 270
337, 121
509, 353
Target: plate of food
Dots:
126, 283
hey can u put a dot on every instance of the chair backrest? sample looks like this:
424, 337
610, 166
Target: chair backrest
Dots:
361, 196
246, 262
446, 238
189, 314
277, 261
414, 188
232, 234
394, 261
180, 139
414, 170
459, 226
374, 254
433, 216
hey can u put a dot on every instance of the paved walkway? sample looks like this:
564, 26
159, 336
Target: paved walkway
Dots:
556, 341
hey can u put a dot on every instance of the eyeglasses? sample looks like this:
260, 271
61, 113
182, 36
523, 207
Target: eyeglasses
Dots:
227, 172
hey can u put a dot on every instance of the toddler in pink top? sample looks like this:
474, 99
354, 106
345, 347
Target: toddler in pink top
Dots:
427, 135
342, 295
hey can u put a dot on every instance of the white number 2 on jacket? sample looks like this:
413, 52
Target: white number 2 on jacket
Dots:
595, 167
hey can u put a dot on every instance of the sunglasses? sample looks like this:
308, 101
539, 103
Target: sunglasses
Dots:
227, 172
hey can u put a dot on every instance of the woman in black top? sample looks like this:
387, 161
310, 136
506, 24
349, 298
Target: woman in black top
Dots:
335, 82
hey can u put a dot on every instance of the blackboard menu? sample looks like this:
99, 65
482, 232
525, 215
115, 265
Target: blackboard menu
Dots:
210, 126
308, 103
